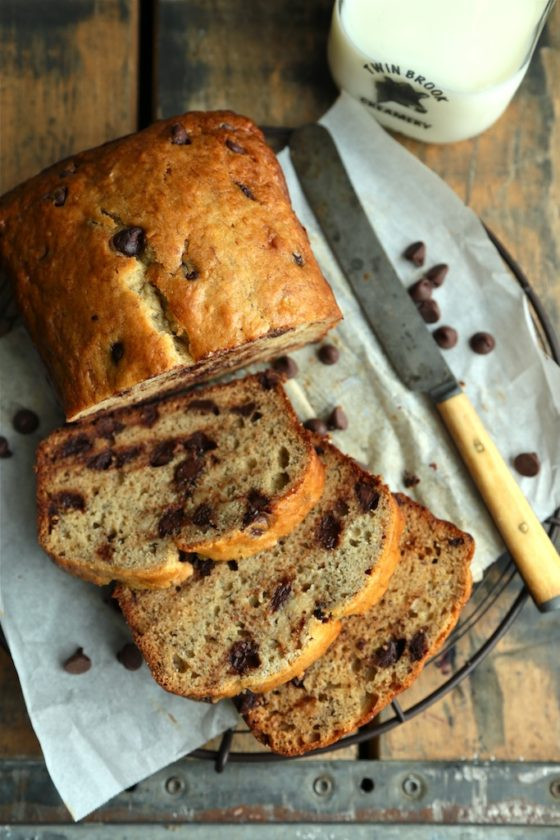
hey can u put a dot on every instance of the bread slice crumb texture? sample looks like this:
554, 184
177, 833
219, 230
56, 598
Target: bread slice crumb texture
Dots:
225, 470
255, 623
376, 655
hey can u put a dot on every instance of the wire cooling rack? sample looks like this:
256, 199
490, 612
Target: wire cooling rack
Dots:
493, 607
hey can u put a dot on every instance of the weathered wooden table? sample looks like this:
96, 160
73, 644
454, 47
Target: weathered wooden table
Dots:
76, 73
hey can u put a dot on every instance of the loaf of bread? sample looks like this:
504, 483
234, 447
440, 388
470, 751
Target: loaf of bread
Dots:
224, 471
379, 654
255, 623
161, 259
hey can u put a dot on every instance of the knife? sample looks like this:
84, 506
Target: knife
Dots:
416, 358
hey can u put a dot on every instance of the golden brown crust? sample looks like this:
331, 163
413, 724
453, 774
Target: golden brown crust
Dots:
224, 262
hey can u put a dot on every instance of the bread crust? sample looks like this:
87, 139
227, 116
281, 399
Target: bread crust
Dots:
224, 266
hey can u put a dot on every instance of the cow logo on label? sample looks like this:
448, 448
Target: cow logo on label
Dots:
389, 90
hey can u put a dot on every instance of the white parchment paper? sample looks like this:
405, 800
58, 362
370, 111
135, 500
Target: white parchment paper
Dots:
105, 730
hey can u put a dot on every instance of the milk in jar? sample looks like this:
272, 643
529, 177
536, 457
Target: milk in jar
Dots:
438, 70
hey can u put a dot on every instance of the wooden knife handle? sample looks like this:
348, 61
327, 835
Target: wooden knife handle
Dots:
523, 534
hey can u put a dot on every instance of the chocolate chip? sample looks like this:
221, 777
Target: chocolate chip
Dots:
446, 337
171, 522
268, 379
5, 451
204, 406
179, 136
108, 427
235, 147
105, 552
202, 566
25, 421
328, 531
436, 275
247, 701
367, 495
429, 310
245, 190
130, 657
190, 272
202, 517
416, 253
187, 471
129, 241
59, 196
244, 656
124, 456
527, 463
78, 663
315, 424
65, 500
256, 417
244, 410
257, 504
286, 366
233, 565
198, 443
148, 416
341, 508
117, 351
482, 342
100, 462
409, 479
337, 419
328, 354
389, 653
186, 556
163, 453
421, 290
418, 646
280, 594
455, 541
74, 446
298, 259
319, 612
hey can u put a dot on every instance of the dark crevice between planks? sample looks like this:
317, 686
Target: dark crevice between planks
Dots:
147, 61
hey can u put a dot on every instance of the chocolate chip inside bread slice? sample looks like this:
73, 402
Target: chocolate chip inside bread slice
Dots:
378, 654
223, 471
255, 623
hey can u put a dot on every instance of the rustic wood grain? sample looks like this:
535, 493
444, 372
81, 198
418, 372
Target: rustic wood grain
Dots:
266, 60
69, 72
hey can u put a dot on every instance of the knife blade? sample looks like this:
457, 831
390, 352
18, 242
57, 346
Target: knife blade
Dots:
415, 356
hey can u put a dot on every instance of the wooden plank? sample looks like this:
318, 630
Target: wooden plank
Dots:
266, 60
69, 79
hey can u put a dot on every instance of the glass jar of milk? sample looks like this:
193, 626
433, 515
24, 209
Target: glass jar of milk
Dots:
437, 70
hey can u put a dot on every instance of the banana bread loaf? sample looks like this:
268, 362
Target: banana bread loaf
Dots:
161, 259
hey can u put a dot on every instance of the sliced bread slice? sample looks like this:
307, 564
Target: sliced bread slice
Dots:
255, 623
223, 471
379, 654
